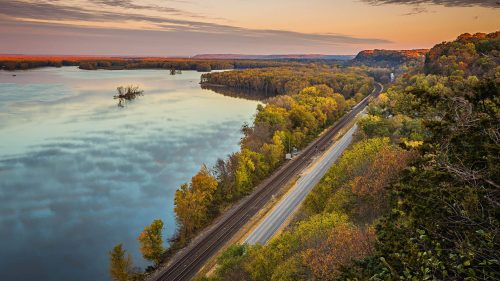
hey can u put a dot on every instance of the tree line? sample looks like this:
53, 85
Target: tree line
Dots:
291, 80
117, 63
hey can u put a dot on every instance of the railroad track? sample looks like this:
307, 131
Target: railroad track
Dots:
190, 262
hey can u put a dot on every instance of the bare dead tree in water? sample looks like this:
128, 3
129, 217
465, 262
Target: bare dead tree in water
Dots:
127, 93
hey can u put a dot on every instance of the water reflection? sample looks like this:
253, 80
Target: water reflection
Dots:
237, 93
79, 175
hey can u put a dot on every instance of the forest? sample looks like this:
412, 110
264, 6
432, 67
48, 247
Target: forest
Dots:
347, 81
416, 197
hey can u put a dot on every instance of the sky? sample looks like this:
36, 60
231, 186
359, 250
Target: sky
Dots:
190, 27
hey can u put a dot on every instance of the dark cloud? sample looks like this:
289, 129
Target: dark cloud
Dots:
129, 4
417, 10
447, 3
50, 11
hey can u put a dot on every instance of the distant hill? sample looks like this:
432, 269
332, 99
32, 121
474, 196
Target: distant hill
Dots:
390, 58
272, 57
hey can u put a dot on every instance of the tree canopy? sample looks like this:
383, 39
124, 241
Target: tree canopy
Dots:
151, 242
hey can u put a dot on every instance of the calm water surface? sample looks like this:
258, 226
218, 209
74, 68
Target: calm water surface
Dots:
78, 174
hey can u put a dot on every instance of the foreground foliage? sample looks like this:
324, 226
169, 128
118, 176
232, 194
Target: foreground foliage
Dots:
444, 218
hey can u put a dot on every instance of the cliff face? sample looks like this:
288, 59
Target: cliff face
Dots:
390, 58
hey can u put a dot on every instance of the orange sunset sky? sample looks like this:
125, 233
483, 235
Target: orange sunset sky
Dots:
189, 27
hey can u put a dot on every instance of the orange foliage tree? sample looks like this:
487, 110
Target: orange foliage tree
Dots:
344, 244
370, 187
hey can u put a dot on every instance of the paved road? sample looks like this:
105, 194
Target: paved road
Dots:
189, 260
292, 200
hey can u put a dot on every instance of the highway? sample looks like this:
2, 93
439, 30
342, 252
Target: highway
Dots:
189, 261
292, 200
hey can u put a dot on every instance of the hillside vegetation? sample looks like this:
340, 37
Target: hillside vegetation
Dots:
417, 196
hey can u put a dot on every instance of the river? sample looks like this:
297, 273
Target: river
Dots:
79, 174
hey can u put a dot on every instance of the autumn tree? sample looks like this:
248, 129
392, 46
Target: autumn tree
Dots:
192, 202
275, 151
224, 171
344, 245
151, 242
353, 162
244, 172
120, 264
370, 187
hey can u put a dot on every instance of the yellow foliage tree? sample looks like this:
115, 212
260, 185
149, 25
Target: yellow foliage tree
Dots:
151, 242
120, 263
274, 152
192, 202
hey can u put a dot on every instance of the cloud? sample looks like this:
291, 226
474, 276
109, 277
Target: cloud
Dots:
37, 19
417, 10
447, 3
57, 39
129, 4
47, 11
